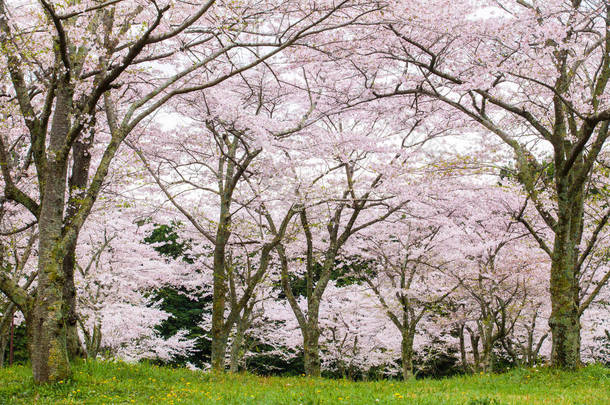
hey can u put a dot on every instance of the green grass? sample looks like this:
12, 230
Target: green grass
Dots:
119, 383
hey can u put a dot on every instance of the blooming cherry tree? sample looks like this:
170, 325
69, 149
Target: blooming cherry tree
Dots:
533, 75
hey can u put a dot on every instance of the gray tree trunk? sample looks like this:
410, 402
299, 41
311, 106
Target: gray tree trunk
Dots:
47, 320
311, 351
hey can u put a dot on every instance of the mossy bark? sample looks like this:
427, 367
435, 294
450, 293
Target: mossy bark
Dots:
564, 284
47, 321
219, 351
311, 352
219, 298
565, 318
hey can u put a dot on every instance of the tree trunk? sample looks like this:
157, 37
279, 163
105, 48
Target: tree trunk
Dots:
6, 323
529, 349
219, 351
474, 344
219, 335
311, 352
236, 350
93, 348
564, 288
3, 346
47, 323
81, 162
488, 340
92, 341
48, 350
465, 367
237, 347
565, 318
487, 357
74, 347
407, 356
11, 343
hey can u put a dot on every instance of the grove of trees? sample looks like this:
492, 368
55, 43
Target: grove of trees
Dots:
359, 188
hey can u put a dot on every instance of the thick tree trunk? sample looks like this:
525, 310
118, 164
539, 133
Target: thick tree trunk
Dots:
487, 357
311, 352
48, 350
407, 356
565, 318
564, 287
219, 351
47, 323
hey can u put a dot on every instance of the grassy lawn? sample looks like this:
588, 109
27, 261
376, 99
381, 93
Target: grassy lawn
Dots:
119, 383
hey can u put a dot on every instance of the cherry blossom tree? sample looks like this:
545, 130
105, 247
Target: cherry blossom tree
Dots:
534, 75
407, 257
116, 276
210, 178
500, 273
71, 67
355, 335
351, 183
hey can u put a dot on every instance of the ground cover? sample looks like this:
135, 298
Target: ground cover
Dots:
119, 383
